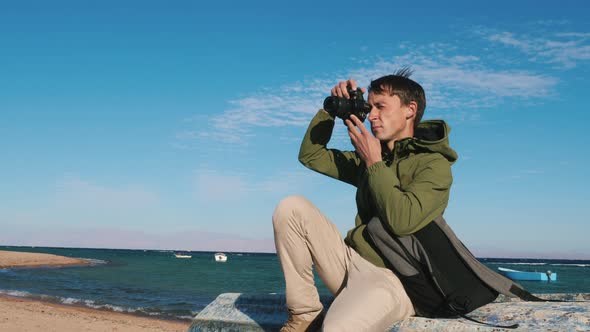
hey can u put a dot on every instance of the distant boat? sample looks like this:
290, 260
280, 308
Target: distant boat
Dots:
220, 257
532, 276
182, 256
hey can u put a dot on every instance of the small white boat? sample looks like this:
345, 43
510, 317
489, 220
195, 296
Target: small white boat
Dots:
220, 257
182, 256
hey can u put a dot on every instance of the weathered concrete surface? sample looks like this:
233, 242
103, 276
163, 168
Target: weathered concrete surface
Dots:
250, 313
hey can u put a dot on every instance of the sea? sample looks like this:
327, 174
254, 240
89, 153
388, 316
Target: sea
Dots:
156, 283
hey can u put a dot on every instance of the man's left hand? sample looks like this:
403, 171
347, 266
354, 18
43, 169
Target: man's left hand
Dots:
366, 145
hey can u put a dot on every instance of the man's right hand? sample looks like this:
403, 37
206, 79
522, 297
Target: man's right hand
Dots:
341, 89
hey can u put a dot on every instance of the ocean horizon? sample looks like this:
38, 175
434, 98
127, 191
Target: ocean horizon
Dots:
156, 283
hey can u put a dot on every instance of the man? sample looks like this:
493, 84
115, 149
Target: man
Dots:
403, 183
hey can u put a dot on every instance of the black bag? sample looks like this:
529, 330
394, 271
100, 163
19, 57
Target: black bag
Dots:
436, 279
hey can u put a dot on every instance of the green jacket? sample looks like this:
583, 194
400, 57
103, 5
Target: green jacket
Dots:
406, 191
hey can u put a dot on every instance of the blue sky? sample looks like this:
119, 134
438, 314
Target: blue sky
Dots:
176, 125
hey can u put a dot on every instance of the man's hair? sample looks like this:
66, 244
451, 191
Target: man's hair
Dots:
399, 84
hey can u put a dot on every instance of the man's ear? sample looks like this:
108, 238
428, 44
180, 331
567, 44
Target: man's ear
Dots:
410, 109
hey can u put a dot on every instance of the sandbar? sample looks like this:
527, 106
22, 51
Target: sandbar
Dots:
12, 259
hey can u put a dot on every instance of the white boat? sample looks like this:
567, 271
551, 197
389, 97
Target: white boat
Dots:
220, 257
182, 256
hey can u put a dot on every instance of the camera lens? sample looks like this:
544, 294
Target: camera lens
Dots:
336, 105
343, 108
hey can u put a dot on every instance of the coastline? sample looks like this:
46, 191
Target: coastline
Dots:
20, 314
17, 259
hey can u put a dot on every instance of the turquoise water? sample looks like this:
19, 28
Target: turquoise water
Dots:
153, 282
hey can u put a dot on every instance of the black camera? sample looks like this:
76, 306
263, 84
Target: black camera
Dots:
343, 108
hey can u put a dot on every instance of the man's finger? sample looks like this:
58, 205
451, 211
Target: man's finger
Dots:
343, 90
349, 124
352, 138
352, 83
358, 123
351, 127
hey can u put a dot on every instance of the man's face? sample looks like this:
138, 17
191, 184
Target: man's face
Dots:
388, 118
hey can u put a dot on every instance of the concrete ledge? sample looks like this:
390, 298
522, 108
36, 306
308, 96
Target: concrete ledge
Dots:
267, 312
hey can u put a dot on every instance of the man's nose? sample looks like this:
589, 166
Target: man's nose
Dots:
373, 113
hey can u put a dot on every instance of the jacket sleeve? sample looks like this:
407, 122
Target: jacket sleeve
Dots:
407, 210
313, 154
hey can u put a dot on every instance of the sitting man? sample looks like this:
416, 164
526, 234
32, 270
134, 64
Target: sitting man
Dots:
402, 172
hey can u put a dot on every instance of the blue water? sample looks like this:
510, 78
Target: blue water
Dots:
155, 283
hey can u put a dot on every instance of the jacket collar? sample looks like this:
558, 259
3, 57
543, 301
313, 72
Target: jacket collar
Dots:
430, 136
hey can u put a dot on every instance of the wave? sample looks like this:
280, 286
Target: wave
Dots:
578, 265
153, 312
15, 293
514, 263
540, 263
94, 261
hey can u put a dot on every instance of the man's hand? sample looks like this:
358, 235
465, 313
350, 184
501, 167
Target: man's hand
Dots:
341, 90
366, 145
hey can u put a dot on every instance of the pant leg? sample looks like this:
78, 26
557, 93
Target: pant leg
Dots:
372, 300
303, 237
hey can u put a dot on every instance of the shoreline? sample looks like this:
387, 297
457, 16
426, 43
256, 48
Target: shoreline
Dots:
26, 314
22, 314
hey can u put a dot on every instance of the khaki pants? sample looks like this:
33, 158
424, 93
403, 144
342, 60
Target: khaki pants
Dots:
368, 298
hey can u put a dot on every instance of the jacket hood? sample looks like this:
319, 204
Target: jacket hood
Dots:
429, 136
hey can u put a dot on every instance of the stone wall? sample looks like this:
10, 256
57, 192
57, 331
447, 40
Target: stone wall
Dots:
267, 312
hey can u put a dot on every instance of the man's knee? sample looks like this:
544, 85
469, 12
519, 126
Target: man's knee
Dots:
287, 208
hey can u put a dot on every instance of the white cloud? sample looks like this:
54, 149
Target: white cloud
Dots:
79, 201
552, 23
508, 38
216, 186
565, 49
74, 192
459, 83
283, 181
574, 34
453, 83
528, 174
211, 185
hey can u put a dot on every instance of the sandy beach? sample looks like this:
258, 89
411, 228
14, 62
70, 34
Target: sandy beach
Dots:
21, 315
24, 315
